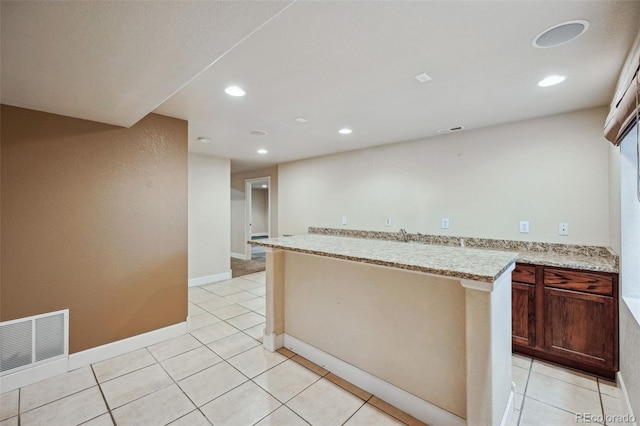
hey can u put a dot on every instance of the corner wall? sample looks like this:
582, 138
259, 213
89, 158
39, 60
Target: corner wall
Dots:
94, 219
209, 218
547, 170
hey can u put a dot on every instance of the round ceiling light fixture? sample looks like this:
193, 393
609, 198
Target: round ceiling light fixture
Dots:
345, 131
560, 34
551, 80
262, 151
234, 91
258, 133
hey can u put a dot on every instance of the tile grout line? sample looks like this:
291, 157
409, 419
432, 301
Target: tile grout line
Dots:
49, 402
354, 413
580, 374
560, 380
524, 391
106, 404
19, 414
604, 417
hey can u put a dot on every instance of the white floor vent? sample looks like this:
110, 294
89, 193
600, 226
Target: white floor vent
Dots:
27, 342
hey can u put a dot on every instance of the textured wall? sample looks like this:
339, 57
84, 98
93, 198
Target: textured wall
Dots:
94, 219
548, 170
209, 221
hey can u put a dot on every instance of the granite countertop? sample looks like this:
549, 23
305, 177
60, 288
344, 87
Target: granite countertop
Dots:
573, 256
569, 260
455, 262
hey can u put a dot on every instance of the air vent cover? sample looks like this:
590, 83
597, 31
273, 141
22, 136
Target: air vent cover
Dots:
28, 341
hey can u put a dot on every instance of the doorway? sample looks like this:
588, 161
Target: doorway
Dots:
257, 215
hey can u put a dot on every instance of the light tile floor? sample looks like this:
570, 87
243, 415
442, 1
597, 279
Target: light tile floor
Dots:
220, 374
547, 394
217, 374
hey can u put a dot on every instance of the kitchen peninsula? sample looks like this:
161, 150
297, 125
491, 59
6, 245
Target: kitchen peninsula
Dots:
425, 328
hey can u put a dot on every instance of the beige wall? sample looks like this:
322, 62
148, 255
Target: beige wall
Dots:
546, 171
237, 205
405, 328
237, 221
614, 198
259, 211
94, 219
209, 216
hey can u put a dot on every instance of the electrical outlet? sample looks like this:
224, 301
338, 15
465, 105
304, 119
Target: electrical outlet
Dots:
445, 223
524, 226
563, 229
387, 221
344, 220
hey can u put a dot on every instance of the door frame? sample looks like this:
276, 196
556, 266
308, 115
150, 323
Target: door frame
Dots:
247, 211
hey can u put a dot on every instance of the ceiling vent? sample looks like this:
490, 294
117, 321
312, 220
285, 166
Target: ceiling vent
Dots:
451, 129
258, 133
422, 78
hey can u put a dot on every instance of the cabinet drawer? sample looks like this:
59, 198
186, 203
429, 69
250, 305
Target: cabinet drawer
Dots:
524, 274
579, 281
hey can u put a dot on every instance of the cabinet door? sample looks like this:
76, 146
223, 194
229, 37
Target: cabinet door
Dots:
579, 326
523, 314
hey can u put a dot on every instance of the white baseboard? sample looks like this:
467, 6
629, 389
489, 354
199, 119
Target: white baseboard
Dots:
209, 279
89, 356
240, 256
625, 396
411, 404
33, 375
507, 416
100, 353
273, 342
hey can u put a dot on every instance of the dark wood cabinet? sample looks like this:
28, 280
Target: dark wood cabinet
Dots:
523, 318
566, 316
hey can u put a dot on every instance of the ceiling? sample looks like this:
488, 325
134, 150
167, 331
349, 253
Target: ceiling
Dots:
335, 63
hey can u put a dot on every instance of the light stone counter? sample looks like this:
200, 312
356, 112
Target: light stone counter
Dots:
455, 262
573, 256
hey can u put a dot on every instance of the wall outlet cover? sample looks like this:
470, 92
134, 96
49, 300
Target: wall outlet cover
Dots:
563, 229
524, 226
445, 223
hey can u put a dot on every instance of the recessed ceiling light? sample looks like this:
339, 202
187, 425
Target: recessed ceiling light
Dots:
234, 91
258, 133
559, 34
301, 120
204, 140
345, 131
551, 80
264, 186
262, 151
422, 78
